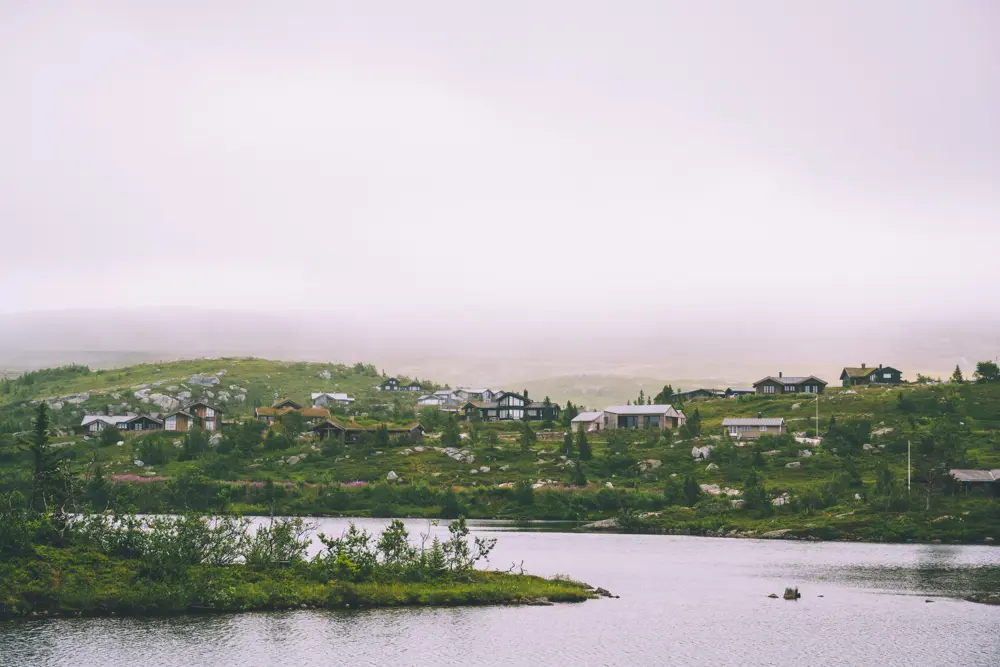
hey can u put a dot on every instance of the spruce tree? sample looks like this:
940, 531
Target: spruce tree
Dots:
582, 446
568, 443
957, 377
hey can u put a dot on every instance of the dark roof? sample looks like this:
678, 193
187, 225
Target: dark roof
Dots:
282, 401
149, 417
789, 380
205, 403
179, 412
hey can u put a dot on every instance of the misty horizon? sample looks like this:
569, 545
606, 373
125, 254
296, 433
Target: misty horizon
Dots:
674, 190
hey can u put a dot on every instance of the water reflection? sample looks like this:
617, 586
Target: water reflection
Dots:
685, 601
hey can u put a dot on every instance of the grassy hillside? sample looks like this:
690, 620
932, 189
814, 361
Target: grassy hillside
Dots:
489, 470
240, 385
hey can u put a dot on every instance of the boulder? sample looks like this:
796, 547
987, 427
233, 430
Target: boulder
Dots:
224, 396
203, 380
209, 394
867, 447
292, 460
711, 466
173, 387
504, 468
484, 469
805, 453
796, 406
419, 449
56, 405
164, 403
473, 472
215, 439
711, 489
609, 485
222, 372
392, 476
138, 463
793, 464
184, 396
325, 374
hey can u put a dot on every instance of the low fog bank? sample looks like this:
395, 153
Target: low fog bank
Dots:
475, 350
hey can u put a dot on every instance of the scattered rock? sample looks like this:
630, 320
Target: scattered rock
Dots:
120, 443
184, 395
988, 540
292, 460
203, 381
392, 476
773, 596
796, 406
609, 485
504, 468
805, 453
793, 464
325, 374
484, 469
473, 472
701, 452
222, 372
419, 449
867, 447
604, 593
75, 399
164, 403
56, 405
138, 463
711, 466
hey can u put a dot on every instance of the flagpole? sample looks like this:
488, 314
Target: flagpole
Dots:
907, 466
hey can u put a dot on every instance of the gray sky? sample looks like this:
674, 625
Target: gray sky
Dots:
498, 163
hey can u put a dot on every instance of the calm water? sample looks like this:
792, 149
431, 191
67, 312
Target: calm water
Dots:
684, 601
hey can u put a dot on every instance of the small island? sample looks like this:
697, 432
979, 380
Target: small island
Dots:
123, 564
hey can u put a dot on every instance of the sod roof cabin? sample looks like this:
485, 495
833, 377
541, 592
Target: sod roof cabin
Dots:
853, 376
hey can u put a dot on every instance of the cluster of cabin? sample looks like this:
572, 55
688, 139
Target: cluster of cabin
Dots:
197, 414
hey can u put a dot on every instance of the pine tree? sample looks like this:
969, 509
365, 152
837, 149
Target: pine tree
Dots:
47, 488
579, 478
957, 377
582, 446
568, 443
528, 436
665, 396
642, 398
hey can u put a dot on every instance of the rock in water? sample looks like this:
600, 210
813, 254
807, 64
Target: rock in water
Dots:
773, 596
792, 593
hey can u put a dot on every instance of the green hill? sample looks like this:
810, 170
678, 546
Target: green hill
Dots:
490, 470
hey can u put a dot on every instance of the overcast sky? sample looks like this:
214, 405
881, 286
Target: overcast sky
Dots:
503, 162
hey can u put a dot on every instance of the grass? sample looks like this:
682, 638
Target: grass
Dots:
308, 479
76, 581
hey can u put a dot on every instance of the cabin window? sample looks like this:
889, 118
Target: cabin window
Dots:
763, 428
768, 388
789, 388
887, 376
170, 424
209, 412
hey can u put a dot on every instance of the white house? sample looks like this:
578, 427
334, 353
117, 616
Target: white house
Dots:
482, 395
445, 399
642, 416
588, 421
97, 423
323, 399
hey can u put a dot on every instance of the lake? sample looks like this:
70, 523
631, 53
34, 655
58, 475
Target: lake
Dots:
684, 601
